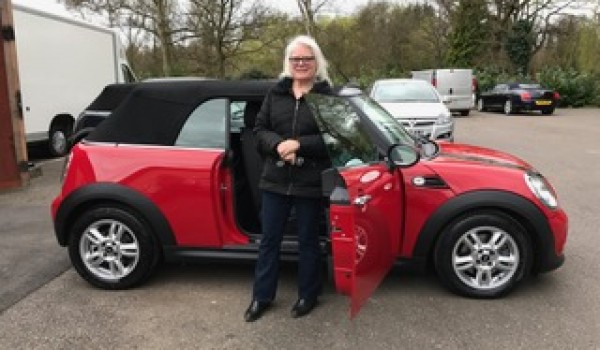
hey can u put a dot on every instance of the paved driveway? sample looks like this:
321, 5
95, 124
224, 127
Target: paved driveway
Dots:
200, 306
29, 255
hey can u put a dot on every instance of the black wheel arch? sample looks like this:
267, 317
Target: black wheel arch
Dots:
517, 207
99, 193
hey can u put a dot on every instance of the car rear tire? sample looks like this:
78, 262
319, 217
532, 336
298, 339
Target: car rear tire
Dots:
483, 255
111, 248
508, 107
547, 111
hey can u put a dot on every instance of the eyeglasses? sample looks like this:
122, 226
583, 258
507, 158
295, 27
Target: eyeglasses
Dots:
302, 59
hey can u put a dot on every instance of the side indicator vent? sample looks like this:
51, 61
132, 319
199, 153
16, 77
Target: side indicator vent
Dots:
429, 182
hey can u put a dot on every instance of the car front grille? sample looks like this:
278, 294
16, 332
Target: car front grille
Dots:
414, 122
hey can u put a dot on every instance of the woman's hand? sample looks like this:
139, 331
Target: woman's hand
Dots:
287, 150
288, 147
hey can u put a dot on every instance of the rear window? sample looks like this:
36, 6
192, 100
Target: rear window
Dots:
205, 127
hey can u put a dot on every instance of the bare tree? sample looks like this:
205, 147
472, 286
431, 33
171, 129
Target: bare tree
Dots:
159, 19
162, 19
111, 8
309, 10
219, 28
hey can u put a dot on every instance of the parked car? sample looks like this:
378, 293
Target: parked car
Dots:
109, 98
457, 86
416, 105
514, 97
167, 176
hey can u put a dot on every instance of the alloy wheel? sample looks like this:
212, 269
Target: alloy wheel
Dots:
485, 257
109, 250
508, 109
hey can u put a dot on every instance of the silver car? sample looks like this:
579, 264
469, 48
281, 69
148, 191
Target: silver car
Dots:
417, 105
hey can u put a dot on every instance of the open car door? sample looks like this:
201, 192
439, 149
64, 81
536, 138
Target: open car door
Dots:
365, 200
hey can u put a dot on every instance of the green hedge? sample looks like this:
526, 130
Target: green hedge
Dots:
576, 89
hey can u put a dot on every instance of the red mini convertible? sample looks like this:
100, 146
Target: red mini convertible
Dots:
172, 174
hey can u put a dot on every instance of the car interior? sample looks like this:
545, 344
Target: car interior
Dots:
246, 167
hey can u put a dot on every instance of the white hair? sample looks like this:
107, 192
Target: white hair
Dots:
321, 72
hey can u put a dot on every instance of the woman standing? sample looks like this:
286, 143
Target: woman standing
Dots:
295, 155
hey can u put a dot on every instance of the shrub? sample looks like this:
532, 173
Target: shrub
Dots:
576, 89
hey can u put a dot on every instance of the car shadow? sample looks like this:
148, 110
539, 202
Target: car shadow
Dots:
401, 281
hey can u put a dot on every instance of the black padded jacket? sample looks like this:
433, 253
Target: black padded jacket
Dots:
282, 117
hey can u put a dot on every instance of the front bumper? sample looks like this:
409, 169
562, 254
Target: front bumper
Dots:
554, 256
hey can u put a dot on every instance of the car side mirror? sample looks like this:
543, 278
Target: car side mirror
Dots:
429, 149
402, 156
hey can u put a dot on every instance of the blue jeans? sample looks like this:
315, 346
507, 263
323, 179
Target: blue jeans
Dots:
276, 209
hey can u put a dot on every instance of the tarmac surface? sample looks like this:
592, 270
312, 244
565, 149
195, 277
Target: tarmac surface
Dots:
44, 304
30, 256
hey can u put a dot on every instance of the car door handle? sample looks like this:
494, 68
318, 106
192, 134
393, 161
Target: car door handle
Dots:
362, 200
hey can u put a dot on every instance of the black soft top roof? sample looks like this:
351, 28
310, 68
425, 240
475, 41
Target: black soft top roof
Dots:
154, 111
111, 96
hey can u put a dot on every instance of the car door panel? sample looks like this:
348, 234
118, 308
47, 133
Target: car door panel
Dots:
365, 231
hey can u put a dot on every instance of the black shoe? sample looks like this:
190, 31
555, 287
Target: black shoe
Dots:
255, 310
303, 307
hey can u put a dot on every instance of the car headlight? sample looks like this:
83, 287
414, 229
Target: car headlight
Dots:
541, 189
443, 118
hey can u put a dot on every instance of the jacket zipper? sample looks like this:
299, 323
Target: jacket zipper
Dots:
294, 121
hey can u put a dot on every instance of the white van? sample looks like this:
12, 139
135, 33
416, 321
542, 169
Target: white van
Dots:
63, 64
456, 86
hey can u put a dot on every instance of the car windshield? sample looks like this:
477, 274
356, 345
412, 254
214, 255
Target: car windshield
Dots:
405, 92
529, 86
346, 132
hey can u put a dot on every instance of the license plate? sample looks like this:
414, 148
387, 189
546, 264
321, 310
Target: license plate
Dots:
543, 103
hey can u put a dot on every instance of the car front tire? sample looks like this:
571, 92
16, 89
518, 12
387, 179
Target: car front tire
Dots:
111, 248
481, 105
483, 255
508, 107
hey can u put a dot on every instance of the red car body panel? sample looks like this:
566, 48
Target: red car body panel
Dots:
189, 187
462, 152
475, 169
560, 225
179, 178
423, 202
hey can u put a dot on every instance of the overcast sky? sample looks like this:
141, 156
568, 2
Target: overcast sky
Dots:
291, 6
340, 6
46, 5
